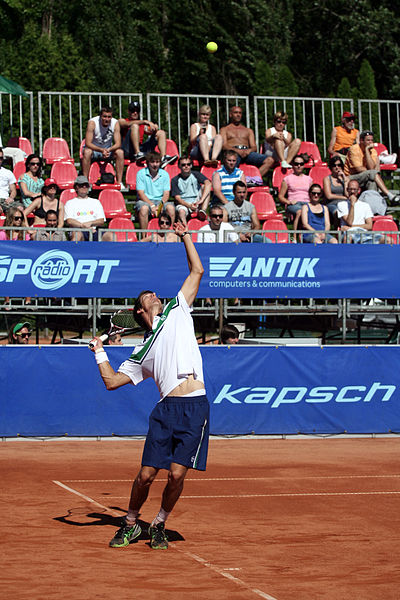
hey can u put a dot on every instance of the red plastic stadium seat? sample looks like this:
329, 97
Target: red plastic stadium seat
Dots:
113, 204
153, 224
271, 226
131, 173
253, 171
96, 168
19, 170
171, 148
172, 170
278, 175
64, 173
382, 148
55, 149
22, 143
67, 195
318, 173
122, 236
265, 205
195, 225
312, 149
387, 225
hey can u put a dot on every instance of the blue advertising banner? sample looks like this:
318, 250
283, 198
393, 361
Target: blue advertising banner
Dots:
261, 390
118, 270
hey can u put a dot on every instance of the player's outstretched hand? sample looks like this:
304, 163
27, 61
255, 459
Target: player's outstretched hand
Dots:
179, 228
95, 344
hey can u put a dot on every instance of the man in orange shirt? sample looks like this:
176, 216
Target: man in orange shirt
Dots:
343, 136
362, 165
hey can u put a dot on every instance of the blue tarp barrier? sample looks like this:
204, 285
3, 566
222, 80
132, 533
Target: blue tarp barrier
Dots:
53, 391
117, 270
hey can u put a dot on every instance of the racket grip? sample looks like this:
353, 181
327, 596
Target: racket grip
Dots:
103, 338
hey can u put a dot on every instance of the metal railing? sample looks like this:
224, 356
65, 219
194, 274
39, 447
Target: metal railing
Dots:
65, 114
17, 117
383, 118
310, 119
176, 112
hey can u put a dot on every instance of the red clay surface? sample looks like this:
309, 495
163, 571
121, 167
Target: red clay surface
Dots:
276, 519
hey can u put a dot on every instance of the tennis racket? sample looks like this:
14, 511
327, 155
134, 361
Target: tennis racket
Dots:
122, 322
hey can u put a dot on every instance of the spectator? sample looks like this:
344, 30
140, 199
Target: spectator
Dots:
242, 215
84, 213
280, 147
215, 230
229, 335
135, 129
14, 154
31, 183
224, 178
14, 218
206, 143
103, 142
237, 137
164, 234
114, 339
45, 202
8, 189
296, 186
50, 236
362, 165
334, 184
343, 136
315, 217
152, 186
356, 218
191, 191
20, 333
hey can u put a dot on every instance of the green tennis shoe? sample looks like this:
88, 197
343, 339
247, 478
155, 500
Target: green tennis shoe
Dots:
125, 535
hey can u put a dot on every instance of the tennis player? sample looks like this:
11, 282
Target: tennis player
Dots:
177, 438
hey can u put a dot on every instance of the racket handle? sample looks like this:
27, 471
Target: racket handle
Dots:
103, 338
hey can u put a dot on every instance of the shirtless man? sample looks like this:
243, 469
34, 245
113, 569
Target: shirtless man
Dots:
241, 139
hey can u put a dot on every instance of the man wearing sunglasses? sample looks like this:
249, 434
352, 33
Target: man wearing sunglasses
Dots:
215, 230
84, 213
21, 333
362, 165
191, 191
280, 147
344, 136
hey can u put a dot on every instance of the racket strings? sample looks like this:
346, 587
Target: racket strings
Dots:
124, 319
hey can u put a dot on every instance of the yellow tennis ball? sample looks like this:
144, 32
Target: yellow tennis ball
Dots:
212, 47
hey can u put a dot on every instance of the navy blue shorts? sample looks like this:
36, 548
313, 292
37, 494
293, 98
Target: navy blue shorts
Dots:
178, 433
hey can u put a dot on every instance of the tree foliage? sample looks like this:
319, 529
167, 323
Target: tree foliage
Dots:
281, 46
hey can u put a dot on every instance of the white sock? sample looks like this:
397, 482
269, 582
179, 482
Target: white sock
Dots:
390, 195
161, 517
131, 516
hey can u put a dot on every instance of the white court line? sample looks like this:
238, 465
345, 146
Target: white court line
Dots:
224, 574
280, 495
189, 554
88, 499
245, 478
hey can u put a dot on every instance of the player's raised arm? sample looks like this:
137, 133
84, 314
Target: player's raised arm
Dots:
191, 284
112, 380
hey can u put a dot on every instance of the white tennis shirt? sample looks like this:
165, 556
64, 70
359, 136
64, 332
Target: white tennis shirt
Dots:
170, 352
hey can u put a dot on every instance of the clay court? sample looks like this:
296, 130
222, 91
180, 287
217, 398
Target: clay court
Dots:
276, 519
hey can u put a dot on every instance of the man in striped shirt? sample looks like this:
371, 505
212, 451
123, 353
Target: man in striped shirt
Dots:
177, 438
224, 179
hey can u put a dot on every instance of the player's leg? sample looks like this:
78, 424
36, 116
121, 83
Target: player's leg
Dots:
130, 529
171, 493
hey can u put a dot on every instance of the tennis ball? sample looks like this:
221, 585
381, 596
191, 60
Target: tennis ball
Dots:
212, 47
